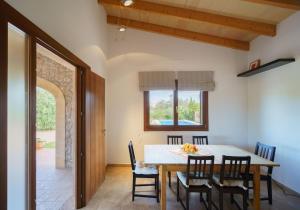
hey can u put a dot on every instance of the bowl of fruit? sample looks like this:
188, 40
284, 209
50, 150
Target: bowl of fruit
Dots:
190, 148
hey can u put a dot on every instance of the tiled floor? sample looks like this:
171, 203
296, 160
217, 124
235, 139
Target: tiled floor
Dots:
115, 194
54, 186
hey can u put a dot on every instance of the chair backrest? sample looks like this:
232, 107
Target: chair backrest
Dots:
235, 168
175, 139
200, 167
200, 140
267, 152
132, 155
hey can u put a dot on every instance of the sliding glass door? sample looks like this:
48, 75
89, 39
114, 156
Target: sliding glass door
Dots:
17, 119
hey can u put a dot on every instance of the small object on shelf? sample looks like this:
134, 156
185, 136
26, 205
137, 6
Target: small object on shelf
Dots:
254, 64
267, 67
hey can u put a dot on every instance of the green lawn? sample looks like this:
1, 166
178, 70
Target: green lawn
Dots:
49, 145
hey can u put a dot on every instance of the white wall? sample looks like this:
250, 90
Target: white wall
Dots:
274, 100
16, 120
79, 25
135, 51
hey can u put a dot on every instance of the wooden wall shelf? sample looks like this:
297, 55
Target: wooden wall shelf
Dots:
267, 67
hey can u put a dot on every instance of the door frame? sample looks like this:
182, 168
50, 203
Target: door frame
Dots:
3, 109
37, 36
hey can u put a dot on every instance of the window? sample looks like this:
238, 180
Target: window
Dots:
168, 110
161, 107
189, 108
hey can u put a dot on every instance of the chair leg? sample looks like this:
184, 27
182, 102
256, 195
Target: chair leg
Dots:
201, 197
231, 198
187, 202
247, 195
269, 184
209, 200
221, 200
133, 187
245, 199
169, 175
177, 193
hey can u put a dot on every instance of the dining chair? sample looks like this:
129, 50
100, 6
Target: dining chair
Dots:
233, 179
144, 173
175, 140
200, 140
197, 178
267, 152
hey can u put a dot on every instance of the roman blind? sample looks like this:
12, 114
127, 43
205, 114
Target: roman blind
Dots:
157, 80
196, 80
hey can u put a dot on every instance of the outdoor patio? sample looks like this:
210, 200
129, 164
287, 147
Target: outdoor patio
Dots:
54, 186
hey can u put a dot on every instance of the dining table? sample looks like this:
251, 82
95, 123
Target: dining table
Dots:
172, 158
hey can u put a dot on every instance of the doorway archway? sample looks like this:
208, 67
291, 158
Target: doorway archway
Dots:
60, 148
55, 172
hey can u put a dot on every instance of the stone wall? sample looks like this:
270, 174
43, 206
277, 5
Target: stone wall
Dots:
64, 79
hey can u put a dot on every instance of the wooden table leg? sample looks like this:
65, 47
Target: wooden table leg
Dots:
163, 193
256, 189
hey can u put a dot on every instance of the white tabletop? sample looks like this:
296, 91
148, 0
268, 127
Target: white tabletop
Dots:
172, 155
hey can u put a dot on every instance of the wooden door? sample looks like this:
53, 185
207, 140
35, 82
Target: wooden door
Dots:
95, 133
102, 129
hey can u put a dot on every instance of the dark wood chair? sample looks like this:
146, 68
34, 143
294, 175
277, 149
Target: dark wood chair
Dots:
267, 152
144, 173
173, 140
233, 179
197, 178
200, 140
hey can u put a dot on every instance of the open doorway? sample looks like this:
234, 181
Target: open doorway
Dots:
55, 132
19, 44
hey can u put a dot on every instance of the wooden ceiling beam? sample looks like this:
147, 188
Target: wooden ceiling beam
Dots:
286, 4
231, 43
238, 23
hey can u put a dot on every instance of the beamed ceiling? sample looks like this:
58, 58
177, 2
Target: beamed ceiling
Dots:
229, 23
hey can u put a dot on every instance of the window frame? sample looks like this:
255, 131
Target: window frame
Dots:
176, 127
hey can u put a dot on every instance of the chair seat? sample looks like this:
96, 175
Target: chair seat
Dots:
228, 183
192, 182
149, 170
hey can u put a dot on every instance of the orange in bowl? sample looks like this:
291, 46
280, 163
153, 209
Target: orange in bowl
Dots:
190, 148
